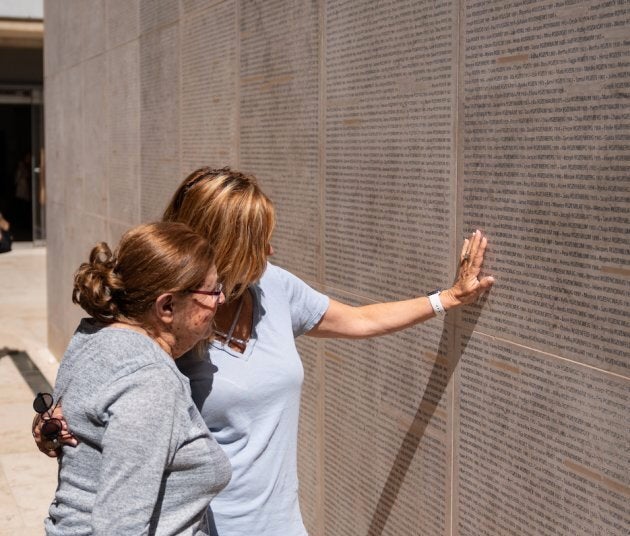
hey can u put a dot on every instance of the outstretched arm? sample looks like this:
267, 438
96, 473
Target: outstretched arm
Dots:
346, 321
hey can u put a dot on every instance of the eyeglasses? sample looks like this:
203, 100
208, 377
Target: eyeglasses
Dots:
51, 426
214, 293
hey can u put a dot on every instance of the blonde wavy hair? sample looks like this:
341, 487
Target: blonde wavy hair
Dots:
230, 209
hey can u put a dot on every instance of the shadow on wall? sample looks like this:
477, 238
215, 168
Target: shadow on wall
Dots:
433, 391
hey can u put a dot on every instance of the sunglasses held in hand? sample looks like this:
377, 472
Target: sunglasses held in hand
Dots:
51, 426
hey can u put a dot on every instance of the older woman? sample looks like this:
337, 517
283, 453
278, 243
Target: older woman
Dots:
248, 385
145, 462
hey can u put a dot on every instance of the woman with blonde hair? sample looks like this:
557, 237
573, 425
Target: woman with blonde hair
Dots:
248, 389
145, 462
248, 385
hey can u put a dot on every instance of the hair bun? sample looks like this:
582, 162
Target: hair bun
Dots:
95, 282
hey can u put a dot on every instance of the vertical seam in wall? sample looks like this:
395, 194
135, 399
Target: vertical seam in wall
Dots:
108, 131
81, 211
139, 116
459, 216
237, 85
180, 86
322, 141
108, 171
321, 368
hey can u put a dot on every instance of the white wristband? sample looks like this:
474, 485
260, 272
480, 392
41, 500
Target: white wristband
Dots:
436, 303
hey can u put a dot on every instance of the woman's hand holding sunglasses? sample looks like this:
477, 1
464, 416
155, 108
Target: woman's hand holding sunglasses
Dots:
49, 428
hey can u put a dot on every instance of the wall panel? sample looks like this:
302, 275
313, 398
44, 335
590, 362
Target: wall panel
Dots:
209, 84
545, 157
159, 119
538, 451
386, 461
279, 95
389, 146
124, 134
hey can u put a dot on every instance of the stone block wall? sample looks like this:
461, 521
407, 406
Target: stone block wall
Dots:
386, 131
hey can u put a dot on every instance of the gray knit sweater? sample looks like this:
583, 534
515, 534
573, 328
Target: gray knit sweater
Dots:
145, 463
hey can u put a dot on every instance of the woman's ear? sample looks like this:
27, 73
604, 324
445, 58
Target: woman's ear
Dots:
164, 307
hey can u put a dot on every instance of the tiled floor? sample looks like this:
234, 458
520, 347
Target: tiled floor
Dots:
27, 478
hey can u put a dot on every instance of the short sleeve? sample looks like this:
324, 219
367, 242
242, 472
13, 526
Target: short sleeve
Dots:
307, 305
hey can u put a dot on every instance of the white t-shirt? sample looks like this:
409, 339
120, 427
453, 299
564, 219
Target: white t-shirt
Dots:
251, 402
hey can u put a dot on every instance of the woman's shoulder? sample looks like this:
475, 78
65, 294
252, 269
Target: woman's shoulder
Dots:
275, 275
272, 272
282, 286
114, 351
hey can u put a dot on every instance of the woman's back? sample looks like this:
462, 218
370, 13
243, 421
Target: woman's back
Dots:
131, 450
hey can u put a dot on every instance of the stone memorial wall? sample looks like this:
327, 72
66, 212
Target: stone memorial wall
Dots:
386, 131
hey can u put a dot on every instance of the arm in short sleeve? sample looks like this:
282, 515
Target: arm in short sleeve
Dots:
139, 440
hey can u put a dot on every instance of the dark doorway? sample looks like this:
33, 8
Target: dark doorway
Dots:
16, 195
22, 194
22, 191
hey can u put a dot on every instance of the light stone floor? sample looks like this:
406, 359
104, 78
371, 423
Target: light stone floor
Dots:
27, 478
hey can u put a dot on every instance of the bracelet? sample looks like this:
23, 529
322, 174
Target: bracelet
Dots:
436, 303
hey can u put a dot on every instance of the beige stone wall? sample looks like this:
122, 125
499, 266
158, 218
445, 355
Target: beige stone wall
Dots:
384, 132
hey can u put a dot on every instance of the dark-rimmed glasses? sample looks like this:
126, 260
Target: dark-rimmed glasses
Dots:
51, 426
214, 293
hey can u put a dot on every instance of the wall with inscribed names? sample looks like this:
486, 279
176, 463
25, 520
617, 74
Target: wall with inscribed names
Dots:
386, 131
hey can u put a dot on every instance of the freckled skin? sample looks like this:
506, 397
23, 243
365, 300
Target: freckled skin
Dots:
194, 314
